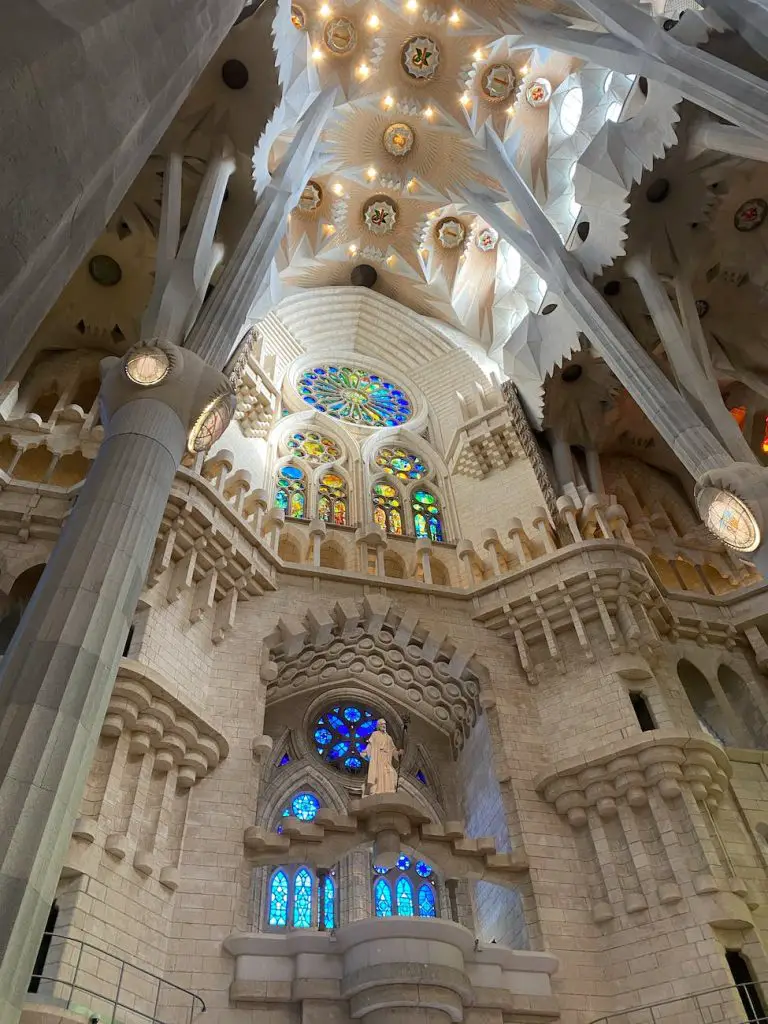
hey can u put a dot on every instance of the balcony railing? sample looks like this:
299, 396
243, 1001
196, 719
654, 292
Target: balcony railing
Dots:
729, 1004
105, 989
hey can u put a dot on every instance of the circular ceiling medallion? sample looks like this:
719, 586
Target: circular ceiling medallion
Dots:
421, 56
732, 522
147, 365
340, 35
486, 239
750, 215
398, 139
298, 17
105, 271
539, 92
311, 197
211, 423
450, 232
498, 81
380, 214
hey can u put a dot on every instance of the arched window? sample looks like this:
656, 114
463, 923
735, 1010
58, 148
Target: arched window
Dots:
382, 898
315, 448
427, 521
404, 893
330, 902
332, 499
302, 899
394, 888
387, 508
401, 463
291, 494
278, 900
341, 735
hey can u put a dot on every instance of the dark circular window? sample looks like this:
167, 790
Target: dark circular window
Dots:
549, 308
364, 275
105, 271
234, 74
341, 735
571, 373
657, 191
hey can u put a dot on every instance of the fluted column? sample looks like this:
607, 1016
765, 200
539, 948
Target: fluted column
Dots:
56, 677
73, 143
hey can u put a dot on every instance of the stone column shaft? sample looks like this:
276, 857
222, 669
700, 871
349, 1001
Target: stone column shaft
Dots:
725, 138
56, 678
73, 143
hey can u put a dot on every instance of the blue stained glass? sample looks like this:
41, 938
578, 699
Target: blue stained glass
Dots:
350, 393
404, 896
330, 909
281, 499
287, 812
421, 777
379, 869
365, 730
323, 737
353, 763
423, 869
341, 735
284, 760
305, 806
338, 724
292, 472
426, 901
302, 899
382, 899
338, 750
403, 862
278, 900
353, 714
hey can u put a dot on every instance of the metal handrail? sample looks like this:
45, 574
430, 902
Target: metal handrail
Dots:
692, 998
102, 996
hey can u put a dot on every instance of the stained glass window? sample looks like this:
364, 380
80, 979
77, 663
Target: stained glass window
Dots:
284, 760
401, 463
303, 806
341, 735
332, 499
330, 909
302, 899
278, 900
423, 869
382, 899
427, 521
387, 508
315, 448
350, 393
404, 896
291, 493
421, 777
426, 901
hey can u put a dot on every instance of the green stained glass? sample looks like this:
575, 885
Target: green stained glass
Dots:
291, 492
401, 463
351, 393
427, 520
315, 448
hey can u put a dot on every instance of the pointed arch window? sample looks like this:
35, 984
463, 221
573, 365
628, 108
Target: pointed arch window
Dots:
387, 508
404, 893
329, 890
291, 494
426, 901
408, 889
382, 896
302, 899
332, 501
278, 900
401, 463
427, 518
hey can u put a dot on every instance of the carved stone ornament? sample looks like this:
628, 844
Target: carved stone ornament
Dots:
539, 92
498, 81
750, 215
450, 232
380, 215
340, 35
310, 198
486, 239
298, 18
399, 139
421, 56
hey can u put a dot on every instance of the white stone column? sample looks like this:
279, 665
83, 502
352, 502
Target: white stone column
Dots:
57, 675
725, 138
73, 143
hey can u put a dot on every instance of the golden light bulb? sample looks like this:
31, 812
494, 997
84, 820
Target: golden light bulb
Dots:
352, 249
478, 55
362, 70
525, 70
464, 99
317, 53
411, 5
371, 173
389, 102
325, 11
329, 229
428, 112
454, 18
374, 21
338, 188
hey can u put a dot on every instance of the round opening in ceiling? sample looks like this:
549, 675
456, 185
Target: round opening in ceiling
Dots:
549, 308
658, 190
234, 74
571, 373
582, 230
612, 288
105, 271
642, 84
364, 275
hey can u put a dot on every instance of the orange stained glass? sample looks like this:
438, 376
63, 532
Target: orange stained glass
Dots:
765, 436
739, 413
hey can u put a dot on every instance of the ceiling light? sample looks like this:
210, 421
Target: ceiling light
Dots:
362, 70
411, 5
525, 70
317, 53
454, 18
338, 188
428, 112
389, 102
391, 260
464, 99
325, 11
411, 184
478, 55
511, 110
352, 249
374, 21
371, 173
329, 229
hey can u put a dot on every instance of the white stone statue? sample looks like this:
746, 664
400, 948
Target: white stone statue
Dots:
380, 753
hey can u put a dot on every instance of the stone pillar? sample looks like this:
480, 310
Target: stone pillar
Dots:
725, 138
56, 677
73, 143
